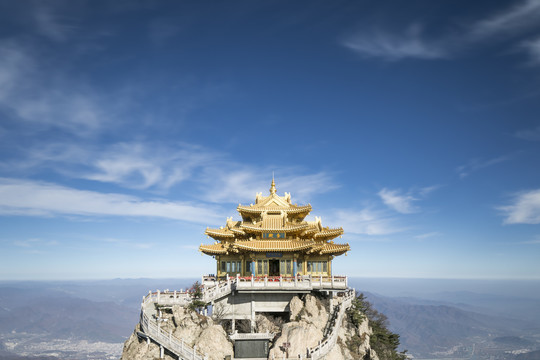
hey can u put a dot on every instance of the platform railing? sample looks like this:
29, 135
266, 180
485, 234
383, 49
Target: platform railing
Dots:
217, 288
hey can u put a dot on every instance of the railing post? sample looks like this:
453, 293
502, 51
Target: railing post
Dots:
265, 280
252, 281
280, 281
332, 281
194, 351
320, 279
228, 281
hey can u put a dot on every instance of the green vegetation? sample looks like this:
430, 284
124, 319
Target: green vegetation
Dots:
196, 296
383, 341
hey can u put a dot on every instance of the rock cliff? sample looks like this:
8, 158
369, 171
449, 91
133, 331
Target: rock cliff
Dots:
303, 329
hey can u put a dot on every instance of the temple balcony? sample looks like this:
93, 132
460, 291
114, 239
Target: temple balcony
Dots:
299, 283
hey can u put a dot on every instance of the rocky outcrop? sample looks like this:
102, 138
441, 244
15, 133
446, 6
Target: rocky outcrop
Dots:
136, 348
305, 329
195, 329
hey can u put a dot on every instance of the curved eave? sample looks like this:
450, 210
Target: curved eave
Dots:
218, 234
215, 249
335, 249
288, 229
289, 210
238, 231
328, 234
273, 245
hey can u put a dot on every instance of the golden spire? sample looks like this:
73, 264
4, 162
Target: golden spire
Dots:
273, 185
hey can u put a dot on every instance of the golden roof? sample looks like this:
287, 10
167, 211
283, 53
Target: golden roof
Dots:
273, 245
274, 217
309, 247
259, 227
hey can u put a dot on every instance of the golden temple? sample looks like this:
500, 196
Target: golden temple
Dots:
274, 239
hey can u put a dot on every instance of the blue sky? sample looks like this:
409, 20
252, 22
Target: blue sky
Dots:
127, 128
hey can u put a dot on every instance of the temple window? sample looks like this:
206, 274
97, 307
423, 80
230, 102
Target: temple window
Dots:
259, 267
289, 270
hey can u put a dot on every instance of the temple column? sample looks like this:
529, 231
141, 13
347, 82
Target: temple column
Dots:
217, 267
330, 265
242, 265
252, 256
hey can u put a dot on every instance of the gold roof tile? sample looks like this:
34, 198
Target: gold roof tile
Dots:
273, 245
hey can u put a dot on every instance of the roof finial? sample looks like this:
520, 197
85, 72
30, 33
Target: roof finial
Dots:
273, 186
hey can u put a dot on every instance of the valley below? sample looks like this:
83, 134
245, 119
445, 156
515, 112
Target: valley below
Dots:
92, 319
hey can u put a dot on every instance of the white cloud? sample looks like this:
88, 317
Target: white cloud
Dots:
235, 183
476, 164
412, 44
533, 48
521, 16
140, 165
362, 222
32, 93
428, 235
129, 243
529, 134
392, 47
402, 203
34, 242
49, 25
22, 197
525, 208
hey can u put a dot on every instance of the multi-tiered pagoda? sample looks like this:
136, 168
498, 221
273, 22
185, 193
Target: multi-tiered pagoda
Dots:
274, 239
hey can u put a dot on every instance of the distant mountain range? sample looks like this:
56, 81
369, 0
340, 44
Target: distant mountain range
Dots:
107, 311
427, 328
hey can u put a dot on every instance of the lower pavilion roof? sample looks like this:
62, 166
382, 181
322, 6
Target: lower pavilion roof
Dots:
310, 246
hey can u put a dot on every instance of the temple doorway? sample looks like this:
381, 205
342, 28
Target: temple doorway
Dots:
273, 267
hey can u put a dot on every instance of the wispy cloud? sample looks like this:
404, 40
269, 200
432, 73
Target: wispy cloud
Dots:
50, 25
412, 43
45, 98
402, 203
529, 134
531, 242
34, 242
524, 209
31, 198
129, 243
532, 47
521, 16
428, 235
393, 47
157, 167
477, 164
363, 222
241, 182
